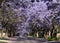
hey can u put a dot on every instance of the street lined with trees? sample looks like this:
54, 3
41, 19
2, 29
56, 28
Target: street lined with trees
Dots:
30, 18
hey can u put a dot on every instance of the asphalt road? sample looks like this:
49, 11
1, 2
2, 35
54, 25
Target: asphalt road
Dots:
30, 40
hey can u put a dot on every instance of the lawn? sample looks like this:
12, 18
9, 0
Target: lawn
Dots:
3, 42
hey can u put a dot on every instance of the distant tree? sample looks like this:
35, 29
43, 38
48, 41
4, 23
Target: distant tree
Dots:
52, 21
7, 19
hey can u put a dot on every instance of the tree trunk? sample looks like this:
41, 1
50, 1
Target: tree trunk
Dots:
53, 32
37, 34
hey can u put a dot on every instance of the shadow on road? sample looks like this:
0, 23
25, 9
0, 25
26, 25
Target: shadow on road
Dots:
30, 38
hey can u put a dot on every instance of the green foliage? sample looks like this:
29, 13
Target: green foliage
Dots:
3, 38
58, 38
51, 39
3, 42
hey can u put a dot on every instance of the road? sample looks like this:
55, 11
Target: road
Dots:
29, 40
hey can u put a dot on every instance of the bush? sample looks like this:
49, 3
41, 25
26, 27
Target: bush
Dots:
58, 38
3, 38
3, 42
51, 39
